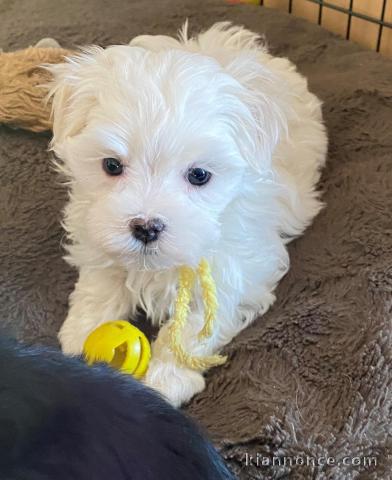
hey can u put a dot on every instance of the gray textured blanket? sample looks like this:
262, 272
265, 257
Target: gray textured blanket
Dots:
312, 378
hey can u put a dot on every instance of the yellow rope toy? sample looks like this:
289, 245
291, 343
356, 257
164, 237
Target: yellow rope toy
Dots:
124, 346
187, 279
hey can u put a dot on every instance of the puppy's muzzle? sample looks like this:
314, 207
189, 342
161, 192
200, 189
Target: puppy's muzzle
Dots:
146, 231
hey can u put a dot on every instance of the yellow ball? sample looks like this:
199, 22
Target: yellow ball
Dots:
121, 345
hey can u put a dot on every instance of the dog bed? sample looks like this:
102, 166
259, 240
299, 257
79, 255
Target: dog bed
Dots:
311, 379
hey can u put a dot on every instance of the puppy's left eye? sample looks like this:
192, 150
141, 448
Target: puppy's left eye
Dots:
112, 166
198, 176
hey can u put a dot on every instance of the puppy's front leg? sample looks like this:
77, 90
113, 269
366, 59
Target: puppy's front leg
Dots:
176, 382
100, 295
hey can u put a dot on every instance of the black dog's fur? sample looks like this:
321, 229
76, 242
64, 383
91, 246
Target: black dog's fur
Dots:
62, 420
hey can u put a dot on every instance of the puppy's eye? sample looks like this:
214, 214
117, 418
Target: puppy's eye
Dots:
112, 166
198, 176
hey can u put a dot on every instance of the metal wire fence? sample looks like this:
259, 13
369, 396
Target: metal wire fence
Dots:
368, 22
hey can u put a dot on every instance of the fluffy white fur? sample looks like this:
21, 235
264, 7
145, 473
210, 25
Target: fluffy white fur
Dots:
218, 101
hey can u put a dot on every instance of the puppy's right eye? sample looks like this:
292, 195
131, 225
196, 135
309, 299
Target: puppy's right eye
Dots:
112, 166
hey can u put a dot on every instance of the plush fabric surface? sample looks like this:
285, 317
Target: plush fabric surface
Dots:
313, 376
22, 95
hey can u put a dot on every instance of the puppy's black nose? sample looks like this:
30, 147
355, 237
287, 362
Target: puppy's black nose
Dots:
146, 230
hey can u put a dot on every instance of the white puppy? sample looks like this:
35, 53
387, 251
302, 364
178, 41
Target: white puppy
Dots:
176, 150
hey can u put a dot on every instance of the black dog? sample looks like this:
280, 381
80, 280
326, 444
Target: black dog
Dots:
62, 420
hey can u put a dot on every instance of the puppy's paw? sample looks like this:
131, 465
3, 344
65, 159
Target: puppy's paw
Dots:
177, 384
71, 344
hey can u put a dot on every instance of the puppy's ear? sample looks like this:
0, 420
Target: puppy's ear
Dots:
72, 95
244, 56
267, 113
